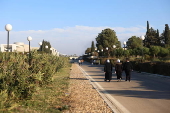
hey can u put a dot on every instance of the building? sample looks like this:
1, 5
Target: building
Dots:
21, 47
17, 47
54, 51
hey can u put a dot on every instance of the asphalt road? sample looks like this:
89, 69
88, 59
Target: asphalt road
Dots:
146, 93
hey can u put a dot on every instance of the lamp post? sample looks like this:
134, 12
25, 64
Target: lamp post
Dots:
142, 38
51, 50
40, 43
8, 28
102, 51
29, 38
114, 46
98, 52
124, 43
107, 49
46, 47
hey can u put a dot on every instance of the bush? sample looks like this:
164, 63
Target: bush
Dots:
19, 80
152, 67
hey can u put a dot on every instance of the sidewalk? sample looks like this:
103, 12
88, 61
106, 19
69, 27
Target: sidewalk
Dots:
83, 97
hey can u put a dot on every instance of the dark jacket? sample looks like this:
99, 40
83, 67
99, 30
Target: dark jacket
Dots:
108, 67
119, 67
127, 66
108, 71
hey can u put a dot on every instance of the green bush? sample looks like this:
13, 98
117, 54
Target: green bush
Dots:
152, 67
19, 80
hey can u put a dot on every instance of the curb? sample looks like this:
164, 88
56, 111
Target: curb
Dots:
114, 105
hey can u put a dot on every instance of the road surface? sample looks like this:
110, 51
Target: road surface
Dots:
146, 93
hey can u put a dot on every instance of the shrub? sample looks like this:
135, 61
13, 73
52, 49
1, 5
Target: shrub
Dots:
19, 80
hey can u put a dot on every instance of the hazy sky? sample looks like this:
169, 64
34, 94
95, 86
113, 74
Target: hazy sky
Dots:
71, 25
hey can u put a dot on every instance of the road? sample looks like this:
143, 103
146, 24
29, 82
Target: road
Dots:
146, 93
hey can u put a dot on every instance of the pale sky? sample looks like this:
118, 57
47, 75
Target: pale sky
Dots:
71, 25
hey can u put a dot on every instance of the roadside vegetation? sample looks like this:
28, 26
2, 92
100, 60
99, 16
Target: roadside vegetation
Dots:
39, 87
150, 53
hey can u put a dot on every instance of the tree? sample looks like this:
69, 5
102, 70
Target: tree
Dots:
92, 47
162, 40
167, 35
107, 38
137, 51
147, 27
131, 52
126, 53
163, 52
146, 50
43, 48
88, 50
119, 52
134, 42
154, 50
151, 37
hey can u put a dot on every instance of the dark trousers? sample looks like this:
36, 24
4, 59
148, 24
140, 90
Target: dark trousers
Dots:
119, 74
128, 75
108, 75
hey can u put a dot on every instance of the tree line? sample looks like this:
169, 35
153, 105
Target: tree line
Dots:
154, 44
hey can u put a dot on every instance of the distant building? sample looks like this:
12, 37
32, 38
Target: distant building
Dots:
16, 47
21, 47
54, 51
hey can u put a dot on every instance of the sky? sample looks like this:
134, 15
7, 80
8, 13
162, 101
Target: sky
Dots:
71, 25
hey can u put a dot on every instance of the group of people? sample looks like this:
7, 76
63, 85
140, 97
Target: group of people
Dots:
80, 61
119, 68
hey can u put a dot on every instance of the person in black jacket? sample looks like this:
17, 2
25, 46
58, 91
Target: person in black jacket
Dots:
108, 70
118, 70
127, 67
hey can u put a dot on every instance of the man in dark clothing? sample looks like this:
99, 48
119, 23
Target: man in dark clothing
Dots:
127, 67
118, 70
108, 70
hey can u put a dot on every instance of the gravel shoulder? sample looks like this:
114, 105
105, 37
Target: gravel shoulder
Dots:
83, 98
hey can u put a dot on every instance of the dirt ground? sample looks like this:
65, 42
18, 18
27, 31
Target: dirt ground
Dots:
83, 98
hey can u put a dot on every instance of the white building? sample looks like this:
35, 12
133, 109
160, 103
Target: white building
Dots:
54, 51
16, 47
21, 47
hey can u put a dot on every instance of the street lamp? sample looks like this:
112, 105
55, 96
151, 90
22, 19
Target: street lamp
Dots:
107, 49
102, 52
8, 28
29, 38
51, 50
46, 47
40, 43
124, 43
114, 46
142, 38
98, 52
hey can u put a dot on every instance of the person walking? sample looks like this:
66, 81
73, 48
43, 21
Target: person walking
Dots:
108, 70
118, 70
82, 61
79, 62
127, 67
